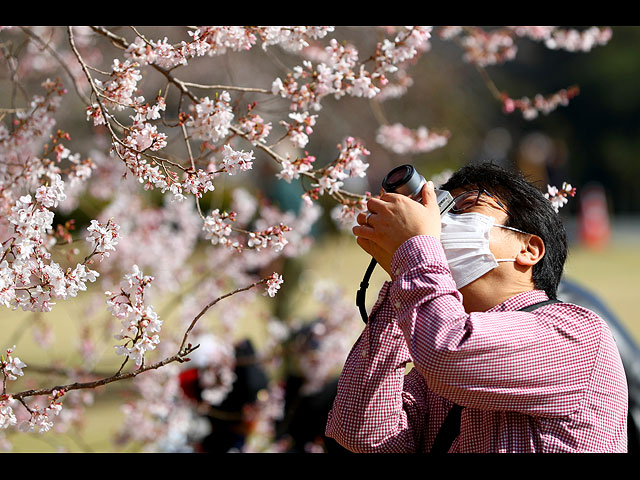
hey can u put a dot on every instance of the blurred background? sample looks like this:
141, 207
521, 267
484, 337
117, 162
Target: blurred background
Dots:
593, 144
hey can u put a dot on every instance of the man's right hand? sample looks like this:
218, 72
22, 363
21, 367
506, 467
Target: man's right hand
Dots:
394, 219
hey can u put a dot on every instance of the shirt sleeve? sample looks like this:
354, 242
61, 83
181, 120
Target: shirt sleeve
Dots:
536, 363
377, 408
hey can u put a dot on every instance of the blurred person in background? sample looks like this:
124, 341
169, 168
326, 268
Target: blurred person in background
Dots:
306, 409
500, 364
228, 426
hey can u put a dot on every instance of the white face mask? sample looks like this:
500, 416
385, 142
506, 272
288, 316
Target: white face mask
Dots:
465, 239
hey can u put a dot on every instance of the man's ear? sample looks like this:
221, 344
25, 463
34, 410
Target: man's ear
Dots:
531, 251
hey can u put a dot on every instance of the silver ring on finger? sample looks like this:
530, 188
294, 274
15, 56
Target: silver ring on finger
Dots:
366, 221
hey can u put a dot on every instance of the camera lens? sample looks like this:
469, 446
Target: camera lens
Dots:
404, 180
397, 177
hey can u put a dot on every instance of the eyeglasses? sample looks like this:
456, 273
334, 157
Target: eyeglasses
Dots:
470, 198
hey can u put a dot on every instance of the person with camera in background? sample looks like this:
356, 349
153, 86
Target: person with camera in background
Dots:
499, 364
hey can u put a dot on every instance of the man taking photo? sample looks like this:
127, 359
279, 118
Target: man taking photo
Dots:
500, 365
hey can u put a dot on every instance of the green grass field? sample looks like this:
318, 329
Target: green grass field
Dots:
611, 273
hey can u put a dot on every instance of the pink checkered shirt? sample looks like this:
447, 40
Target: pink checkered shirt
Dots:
550, 380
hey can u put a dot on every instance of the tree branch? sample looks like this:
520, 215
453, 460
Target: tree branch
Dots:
183, 87
181, 356
55, 55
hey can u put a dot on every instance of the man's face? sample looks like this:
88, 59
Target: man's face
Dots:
503, 243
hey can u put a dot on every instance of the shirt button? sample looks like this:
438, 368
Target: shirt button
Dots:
364, 351
398, 271
398, 305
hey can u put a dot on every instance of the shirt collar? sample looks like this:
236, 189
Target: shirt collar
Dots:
520, 300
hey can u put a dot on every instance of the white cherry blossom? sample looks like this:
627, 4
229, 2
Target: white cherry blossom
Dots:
273, 284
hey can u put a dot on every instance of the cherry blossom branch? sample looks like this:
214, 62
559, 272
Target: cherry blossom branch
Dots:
122, 43
183, 88
497, 94
85, 69
106, 118
178, 357
311, 174
181, 356
55, 55
228, 87
484, 48
212, 303
140, 35
65, 372
13, 74
119, 42
94, 89
558, 196
193, 166
250, 128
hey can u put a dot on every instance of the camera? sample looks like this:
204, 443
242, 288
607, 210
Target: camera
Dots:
406, 180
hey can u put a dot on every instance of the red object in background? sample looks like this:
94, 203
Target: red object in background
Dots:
594, 225
189, 383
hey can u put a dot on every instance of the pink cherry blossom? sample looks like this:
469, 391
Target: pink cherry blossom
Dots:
254, 126
273, 284
584, 41
120, 89
531, 108
217, 229
401, 140
292, 38
166, 55
345, 214
221, 39
7, 416
407, 44
566, 39
7, 284
94, 113
51, 195
211, 119
234, 161
140, 322
292, 170
198, 183
488, 48
143, 136
558, 197
41, 420
11, 367
271, 237
348, 164
299, 131
103, 237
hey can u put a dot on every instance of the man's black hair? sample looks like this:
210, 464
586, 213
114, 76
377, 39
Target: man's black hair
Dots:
529, 211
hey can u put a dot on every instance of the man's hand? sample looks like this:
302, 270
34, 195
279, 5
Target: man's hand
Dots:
393, 219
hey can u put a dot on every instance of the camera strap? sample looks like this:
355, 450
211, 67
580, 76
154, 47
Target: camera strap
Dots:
362, 293
450, 428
